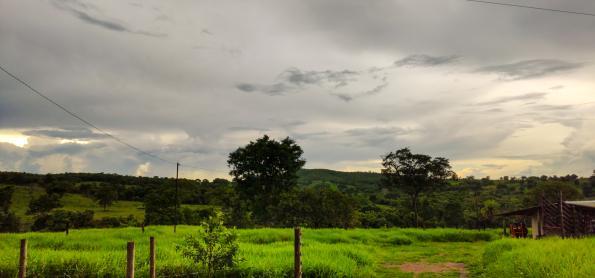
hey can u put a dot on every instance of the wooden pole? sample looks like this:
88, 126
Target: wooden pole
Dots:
130, 260
297, 270
176, 219
152, 272
23, 259
562, 216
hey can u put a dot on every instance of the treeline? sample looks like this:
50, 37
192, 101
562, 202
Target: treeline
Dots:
270, 189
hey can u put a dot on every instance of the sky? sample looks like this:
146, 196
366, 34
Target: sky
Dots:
497, 90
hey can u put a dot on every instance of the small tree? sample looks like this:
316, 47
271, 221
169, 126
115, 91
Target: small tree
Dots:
215, 247
106, 195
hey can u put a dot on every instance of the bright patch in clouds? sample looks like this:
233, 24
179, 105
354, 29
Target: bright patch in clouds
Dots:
14, 138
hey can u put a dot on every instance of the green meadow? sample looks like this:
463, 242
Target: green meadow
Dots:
326, 253
77, 202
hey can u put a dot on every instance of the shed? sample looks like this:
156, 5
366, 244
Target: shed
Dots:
565, 218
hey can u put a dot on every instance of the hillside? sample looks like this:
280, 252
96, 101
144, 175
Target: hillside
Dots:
367, 182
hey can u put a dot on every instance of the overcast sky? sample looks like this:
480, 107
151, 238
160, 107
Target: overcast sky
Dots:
497, 90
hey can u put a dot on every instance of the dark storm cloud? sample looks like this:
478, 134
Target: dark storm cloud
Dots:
71, 133
423, 60
81, 11
528, 96
529, 69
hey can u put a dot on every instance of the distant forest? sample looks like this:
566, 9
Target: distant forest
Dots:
323, 198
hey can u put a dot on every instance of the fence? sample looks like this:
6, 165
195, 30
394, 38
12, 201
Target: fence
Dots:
130, 252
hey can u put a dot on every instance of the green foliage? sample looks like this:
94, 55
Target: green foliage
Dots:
263, 170
60, 220
414, 174
9, 222
44, 203
6, 197
317, 208
106, 195
551, 191
215, 247
160, 207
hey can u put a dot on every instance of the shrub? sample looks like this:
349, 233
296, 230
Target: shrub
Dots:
215, 247
9, 222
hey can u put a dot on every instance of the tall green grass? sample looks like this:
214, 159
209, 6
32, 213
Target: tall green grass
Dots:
266, 252
550, 257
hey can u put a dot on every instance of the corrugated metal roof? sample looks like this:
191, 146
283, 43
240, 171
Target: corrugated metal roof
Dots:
588, 203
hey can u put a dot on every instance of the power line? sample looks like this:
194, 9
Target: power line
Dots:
531, 7
83, 120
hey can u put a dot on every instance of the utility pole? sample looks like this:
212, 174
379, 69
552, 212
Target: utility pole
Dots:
177, 199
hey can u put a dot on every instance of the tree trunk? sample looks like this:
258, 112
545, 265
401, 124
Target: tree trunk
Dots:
414, 200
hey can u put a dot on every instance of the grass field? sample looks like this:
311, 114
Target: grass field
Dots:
326, 253
266, 252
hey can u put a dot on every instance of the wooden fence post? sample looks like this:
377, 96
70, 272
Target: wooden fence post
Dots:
23, 259
562, 215
297, 270
152, 272
130, 260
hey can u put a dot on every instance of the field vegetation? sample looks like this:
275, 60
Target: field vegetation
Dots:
264, 252
326, 253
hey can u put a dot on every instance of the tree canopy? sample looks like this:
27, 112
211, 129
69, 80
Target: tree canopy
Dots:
414, 173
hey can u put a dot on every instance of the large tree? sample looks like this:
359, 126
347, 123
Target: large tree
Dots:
414, 174
263, 170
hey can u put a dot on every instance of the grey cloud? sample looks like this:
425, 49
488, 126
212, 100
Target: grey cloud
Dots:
294, 79
72, 133
558, 87
66, 148
80, 10
272, 90
423, 60
300, 78
528, 96
376, 89
553, 107
344, 97
493, 166
247, 128
529, 69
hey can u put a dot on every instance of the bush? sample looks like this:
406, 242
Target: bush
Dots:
215, 247
44, 203
9, 222
61, 220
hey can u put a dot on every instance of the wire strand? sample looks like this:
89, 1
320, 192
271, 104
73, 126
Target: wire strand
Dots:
531, 7
121, 141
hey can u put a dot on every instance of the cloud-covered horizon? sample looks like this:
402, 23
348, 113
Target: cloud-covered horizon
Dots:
498, 91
